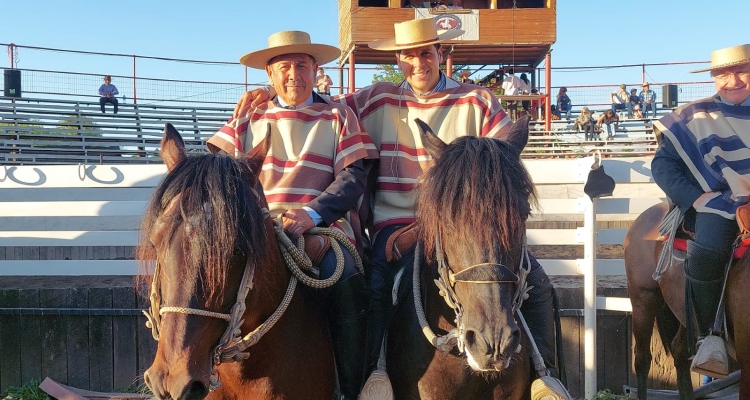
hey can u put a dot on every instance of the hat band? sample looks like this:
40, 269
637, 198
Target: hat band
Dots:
420, 42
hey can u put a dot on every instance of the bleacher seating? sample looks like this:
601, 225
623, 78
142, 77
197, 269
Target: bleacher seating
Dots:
42, 131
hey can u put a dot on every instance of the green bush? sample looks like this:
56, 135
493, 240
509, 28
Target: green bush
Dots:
29, 391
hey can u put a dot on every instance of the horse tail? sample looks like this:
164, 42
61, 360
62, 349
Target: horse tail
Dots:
558, 338
667, 325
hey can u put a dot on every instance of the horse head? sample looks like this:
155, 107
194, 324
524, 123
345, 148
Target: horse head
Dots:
471, 213
206, 229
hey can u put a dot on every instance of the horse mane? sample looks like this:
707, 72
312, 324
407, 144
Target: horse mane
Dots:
219, 203
478, 188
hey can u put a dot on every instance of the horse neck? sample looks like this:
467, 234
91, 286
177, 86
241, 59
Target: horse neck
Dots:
270, 282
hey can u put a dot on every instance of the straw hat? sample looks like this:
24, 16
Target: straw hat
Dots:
415, 33
644, 84
290, 42
728, 57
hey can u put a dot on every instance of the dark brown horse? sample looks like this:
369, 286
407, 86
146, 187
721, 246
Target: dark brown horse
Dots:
664, 302
472, 207
218, 260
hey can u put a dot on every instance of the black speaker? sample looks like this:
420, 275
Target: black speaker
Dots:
669, 96
12, 83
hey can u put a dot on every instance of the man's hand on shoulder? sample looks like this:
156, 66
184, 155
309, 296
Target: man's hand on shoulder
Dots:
249, 101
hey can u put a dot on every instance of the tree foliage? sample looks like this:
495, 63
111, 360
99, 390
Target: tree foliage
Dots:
388, 73
76, 125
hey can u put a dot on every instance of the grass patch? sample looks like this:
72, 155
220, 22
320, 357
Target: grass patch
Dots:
608, 395
29, 391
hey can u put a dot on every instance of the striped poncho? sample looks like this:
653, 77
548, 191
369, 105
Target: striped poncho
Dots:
310, 146
713, 140
388, 111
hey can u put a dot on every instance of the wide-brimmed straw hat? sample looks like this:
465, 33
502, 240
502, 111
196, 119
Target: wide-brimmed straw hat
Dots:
290, 42
728, 57
415, 33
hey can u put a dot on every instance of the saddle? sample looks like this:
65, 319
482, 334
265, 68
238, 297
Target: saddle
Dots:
684, 232
316, 247
400, 242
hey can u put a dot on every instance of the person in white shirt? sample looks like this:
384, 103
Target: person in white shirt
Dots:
621, 100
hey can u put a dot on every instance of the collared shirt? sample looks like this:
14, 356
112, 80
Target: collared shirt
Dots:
745, 103
439, 87
288, 107
647, 96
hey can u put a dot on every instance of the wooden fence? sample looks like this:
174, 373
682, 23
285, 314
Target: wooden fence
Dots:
68, 307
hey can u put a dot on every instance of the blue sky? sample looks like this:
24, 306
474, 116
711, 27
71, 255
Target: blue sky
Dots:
590, 32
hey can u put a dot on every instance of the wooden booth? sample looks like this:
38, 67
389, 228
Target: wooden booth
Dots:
506, 33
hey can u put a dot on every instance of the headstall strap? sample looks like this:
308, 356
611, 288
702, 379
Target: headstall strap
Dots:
445, 283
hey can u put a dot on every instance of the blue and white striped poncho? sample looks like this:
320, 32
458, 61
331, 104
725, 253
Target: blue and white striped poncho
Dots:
713, 139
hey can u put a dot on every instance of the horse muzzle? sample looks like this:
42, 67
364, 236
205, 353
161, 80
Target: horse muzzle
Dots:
167, 386
492, 353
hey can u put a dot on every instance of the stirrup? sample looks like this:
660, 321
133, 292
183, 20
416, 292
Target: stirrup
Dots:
377, 387
549, 388
711, 358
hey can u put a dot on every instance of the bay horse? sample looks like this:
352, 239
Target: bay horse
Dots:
219, 275
664, 302
471, 211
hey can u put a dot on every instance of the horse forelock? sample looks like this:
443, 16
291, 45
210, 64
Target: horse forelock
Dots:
218, 210
478, 189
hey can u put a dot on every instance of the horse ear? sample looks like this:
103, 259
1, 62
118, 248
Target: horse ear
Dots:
519, 133
431, 142
172, 147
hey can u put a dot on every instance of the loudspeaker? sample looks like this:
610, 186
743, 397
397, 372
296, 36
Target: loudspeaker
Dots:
669, 96
12, 83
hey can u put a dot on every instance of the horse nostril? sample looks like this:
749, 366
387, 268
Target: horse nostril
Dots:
197, 390
470, 337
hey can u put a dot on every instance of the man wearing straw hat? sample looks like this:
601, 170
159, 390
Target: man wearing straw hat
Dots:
314, 175
388, 112
701, 165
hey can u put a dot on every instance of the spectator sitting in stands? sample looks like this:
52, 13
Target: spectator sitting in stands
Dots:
648, 100
583, 119
610, 120
621, 100
563, 103
526, 103
108, 91
635, 103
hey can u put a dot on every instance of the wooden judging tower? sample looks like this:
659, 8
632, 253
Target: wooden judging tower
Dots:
514, 33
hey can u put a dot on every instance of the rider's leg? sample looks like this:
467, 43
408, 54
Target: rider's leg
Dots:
539, 312
347, 303
379, 276
704, 270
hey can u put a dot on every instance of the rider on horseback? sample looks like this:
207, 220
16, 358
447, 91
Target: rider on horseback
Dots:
702, 166
314, 175
388, 112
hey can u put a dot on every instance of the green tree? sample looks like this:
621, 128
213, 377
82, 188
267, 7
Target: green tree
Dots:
76, 125
388, 73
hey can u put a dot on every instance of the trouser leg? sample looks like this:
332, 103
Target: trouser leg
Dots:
347, 303
114, 102
379, 276
102, 101
539, 312
704, 266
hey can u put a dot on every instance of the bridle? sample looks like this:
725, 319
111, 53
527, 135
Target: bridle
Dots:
483, 273
232, 345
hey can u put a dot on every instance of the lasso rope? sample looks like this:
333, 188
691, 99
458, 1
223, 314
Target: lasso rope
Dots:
232, 347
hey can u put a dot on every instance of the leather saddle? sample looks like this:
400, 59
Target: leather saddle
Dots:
400, 242
316, 247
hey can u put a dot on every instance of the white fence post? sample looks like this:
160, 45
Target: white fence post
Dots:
589, 296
